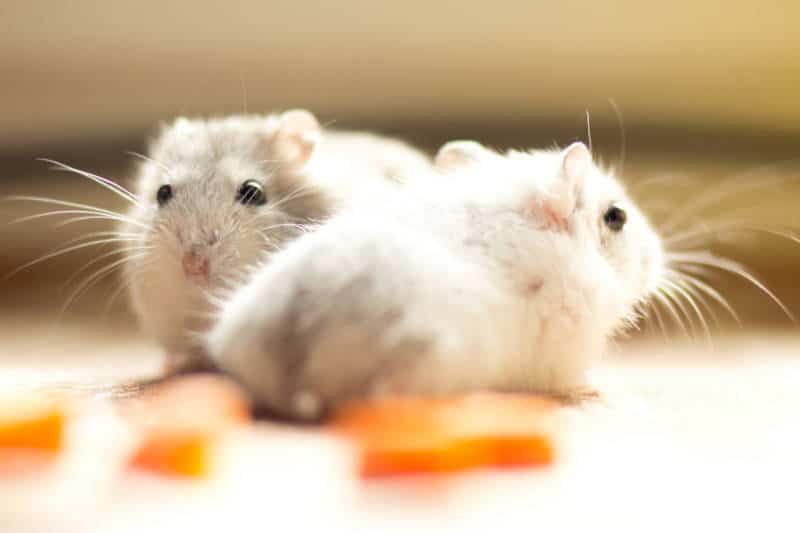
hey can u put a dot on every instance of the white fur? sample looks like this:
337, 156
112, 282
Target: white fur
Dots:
206, 161
473, 265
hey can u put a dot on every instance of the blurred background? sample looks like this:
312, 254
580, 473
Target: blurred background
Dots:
683, 97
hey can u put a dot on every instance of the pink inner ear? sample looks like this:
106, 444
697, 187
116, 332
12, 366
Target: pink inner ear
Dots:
296, 137
299, 122
577, 161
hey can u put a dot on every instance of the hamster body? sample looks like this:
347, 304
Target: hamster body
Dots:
216, 196
509, 273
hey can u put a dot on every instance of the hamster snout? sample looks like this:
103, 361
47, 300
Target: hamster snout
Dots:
195, 264
196, 255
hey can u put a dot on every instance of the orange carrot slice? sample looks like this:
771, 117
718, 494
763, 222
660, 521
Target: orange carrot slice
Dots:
31, 424
439, 435
182, 422
184, 453
32, 432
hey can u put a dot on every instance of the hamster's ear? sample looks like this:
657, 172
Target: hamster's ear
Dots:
576, 163
295, 138
456, 154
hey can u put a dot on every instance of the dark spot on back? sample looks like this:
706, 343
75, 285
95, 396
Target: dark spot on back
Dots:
533, 286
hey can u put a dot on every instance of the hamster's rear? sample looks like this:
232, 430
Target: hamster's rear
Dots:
325, 321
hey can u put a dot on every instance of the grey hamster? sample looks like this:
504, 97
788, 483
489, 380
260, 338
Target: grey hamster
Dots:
217, 196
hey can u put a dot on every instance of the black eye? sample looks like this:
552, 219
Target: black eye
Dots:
164, 194
251, 193
615, 218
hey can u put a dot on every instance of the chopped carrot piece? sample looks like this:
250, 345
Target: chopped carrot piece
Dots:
31, 434
183, 420
31, 425
185, 453
437, 435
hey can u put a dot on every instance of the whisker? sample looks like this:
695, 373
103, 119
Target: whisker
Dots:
716, 194
659, 179
661, 297
59, 212
659, 319
712, 293
729, 265
299, 192
123, 236
298, 227
732, 226
688, 297
117, 251
86, 218
97, 210
701, 300
124, 284
589, 131
674, 295
90, 215
622, 138
112, 186
54, 254
92, 280
160, 165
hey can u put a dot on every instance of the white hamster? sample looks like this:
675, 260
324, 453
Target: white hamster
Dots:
215, 196
510, 273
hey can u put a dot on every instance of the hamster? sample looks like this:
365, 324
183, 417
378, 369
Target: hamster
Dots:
214, 197
510, 274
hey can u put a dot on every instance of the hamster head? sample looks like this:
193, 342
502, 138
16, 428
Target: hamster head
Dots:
215, 196
569, 193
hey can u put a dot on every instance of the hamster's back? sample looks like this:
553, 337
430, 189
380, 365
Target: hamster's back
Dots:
392, 158
339, 318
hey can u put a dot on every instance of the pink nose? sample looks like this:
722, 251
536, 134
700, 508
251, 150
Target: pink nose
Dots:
195, 265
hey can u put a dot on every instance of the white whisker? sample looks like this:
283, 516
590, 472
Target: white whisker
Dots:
711, 292
112, 186
56, 253
733, 226
661, 296
117, 251
113, 215
123, 236
715, 194
96, 277
160, 165
728, 265
299, 192
659, 319
688, 298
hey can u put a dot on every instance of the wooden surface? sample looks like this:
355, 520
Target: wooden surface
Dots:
685, 437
